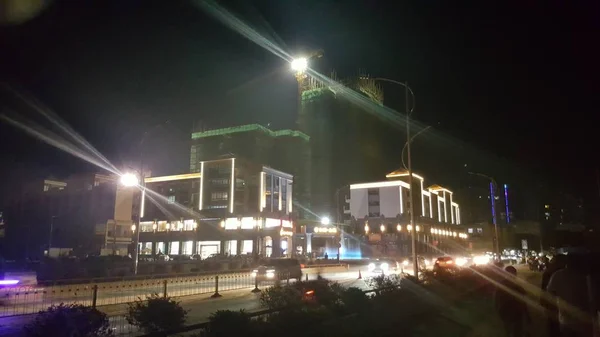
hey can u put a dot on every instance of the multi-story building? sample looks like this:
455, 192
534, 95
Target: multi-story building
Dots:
231, 206
349, 142
61, 214
288, 150
381, 211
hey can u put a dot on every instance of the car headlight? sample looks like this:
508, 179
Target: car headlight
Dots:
371, 266
385, 266
461, 261
405, 262
481, 259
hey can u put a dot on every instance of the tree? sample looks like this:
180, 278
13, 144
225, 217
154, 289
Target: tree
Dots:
69, 320
156, 314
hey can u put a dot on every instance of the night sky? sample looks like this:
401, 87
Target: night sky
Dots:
515, 79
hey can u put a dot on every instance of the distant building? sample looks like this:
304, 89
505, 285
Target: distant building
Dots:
231, 206
380, 213
287, 150
63, 214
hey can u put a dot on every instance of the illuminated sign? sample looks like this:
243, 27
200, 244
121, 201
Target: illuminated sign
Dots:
325, 230
285, 233
286, 223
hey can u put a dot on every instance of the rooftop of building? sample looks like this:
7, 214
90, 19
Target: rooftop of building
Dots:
399, 173
249, 128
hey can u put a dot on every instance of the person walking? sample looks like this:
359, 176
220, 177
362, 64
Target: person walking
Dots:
557, 263
570, 290
508, 300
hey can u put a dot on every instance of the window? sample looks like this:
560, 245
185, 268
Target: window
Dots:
174, 248
470, 230
219, 196
219, 181
171, 199
479, 230
216, 206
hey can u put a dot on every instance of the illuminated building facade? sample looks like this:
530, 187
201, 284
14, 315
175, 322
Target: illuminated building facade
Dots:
287, 150
231, 206
380, 210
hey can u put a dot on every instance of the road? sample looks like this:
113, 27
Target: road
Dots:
21, 301
194, 296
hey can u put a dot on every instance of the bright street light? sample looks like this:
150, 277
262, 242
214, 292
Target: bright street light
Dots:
129, 180
325, 221
300, 65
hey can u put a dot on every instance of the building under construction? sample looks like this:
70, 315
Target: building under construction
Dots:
349, 143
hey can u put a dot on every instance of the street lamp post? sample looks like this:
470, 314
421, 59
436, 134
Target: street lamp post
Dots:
142, 185
409, 111
493, 188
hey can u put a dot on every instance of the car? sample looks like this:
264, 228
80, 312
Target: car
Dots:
445, 264
383, 267
278, 269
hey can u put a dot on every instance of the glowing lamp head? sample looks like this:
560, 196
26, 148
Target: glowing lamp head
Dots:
300, 65
382, 228
129, 180
325, 221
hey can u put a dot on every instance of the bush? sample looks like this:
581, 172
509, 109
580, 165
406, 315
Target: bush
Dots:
156, 314
225, 323
278, 296
355, 300
385, 283
68, 321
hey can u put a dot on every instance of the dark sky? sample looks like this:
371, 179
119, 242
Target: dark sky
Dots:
514, 78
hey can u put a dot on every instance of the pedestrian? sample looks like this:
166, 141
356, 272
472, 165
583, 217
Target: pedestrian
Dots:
557, 263
570, 290
508, 300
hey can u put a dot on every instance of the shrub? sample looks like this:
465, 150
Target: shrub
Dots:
156, 314
225, 323
355, 300
385, 283
69, 320
280, 297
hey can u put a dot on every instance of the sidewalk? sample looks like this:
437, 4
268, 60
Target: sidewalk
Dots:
476, 317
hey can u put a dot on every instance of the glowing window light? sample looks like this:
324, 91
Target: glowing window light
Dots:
382, 228
418, 228
409, 228
399, 228
8, 282
366, 228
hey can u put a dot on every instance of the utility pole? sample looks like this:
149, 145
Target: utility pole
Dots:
410, 183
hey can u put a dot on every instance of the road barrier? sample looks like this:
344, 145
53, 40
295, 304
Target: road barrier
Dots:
30, 300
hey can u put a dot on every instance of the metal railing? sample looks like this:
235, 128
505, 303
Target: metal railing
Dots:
30, 300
